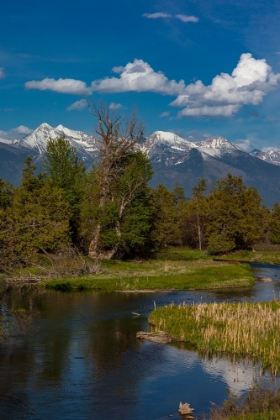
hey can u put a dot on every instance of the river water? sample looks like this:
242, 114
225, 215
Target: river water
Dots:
80, 359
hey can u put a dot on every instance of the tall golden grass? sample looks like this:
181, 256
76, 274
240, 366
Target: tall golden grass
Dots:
241, 329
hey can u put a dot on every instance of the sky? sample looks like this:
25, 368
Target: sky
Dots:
198, 68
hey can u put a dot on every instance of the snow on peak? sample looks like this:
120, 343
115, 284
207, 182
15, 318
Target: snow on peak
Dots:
39, 138
168, 137
165, 139
44, 126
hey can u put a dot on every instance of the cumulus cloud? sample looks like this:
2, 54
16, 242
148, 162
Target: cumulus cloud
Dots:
249, 82
210, 111
71, 86
138, 77
2, 74
16, 133
115, 106
186, 18
78, 105
158, 15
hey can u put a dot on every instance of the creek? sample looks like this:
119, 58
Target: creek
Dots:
81, 360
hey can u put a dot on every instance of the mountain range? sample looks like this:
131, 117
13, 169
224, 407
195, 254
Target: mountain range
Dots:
174, 159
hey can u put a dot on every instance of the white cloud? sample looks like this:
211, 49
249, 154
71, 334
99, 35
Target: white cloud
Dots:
158, 15
115, 106
249, 82
15, 133
78, 105
71, 86
165, 114
2, 74
270, 149
138, 77
210, 111
186, 18
243, 144
161, 15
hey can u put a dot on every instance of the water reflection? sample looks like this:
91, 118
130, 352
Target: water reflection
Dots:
82, 360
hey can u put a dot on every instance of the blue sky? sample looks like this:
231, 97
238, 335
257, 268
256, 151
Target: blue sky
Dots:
199, 68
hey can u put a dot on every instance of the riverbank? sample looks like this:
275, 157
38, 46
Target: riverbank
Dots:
258, 404
157, 275
240, 330
269, 254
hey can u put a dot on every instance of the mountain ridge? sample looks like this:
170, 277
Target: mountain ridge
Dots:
174, 159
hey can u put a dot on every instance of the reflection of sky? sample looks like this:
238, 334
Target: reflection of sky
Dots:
84, 357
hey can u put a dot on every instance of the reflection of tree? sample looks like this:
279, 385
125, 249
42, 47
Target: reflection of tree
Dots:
82, 352
118, 361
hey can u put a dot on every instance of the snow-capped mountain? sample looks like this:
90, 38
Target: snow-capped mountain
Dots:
175, 160
38, 139
270, 156
216, 147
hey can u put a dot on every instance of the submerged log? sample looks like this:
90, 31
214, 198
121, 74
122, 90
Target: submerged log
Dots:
186, 411
156, 337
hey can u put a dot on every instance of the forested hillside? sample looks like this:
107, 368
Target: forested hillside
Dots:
110, 211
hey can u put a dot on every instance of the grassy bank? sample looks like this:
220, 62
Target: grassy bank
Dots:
177, 274
259, 404
269, 254
242, 329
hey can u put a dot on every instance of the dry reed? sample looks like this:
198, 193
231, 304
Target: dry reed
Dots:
242, 329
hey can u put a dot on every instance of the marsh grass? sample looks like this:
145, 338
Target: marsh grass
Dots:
241, 329
258, 404
160, 275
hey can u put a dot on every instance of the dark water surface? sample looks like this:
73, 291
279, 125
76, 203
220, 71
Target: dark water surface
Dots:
81, 359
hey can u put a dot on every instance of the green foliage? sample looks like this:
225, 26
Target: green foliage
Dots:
64, 171
196, 216
124, 216
37, 219
168, 216
236, 217
161, 275
274, 225
6, 194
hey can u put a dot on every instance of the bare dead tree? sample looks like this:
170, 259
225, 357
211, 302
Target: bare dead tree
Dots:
117, 138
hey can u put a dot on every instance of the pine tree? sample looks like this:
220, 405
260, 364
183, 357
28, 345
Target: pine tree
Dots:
274, 224
168, 214
236, 216
36, 220
64, 171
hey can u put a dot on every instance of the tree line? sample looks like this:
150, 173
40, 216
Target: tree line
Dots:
111, 211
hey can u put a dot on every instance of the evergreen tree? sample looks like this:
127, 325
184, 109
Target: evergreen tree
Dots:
65, 171
236, 217
36, 220
274, 224
168, 213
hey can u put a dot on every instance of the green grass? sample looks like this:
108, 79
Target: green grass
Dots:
242, 329
267, 256
258, 404
160, 275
